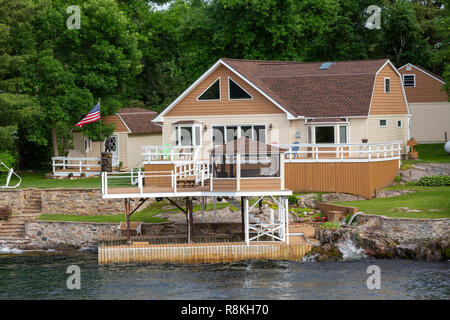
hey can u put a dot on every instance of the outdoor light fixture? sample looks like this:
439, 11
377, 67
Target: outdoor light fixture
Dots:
270, 126
205, 128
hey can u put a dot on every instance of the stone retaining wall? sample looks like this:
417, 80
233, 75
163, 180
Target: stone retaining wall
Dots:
51, 234
13, 198
81, 202
405, 230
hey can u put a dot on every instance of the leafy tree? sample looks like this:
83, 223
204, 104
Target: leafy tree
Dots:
71, 68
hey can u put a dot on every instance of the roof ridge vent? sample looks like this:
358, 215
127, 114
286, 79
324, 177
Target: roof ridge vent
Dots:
326, 65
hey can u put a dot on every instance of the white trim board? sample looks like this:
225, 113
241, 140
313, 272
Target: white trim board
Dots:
410, 64
159, 118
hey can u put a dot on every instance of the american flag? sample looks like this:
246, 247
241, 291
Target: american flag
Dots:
92, 116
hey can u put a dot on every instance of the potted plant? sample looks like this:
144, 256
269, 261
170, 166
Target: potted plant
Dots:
5, 212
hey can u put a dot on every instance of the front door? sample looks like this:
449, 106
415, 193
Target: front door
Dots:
112, 145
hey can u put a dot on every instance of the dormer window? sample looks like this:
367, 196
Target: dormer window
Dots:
387, 85
409, 80
236, 92
212, 93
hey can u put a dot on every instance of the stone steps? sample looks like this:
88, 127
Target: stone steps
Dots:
14, 228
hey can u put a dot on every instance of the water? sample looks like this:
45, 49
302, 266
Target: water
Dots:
42, 275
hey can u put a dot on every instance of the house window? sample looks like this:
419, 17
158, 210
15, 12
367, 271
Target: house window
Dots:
324, 134
383, 123
387, 85
236, 92
188, 135
224, 134
399, 123
212, 93
343, 134
409, 80
87, 145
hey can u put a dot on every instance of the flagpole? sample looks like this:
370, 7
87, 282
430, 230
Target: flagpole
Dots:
100, 120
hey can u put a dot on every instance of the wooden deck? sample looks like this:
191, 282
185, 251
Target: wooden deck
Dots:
202, 252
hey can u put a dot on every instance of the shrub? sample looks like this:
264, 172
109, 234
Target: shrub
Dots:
10, 161
397, 179
292, 199
70, 175
330, 225
83, 175
5, 212
434, 181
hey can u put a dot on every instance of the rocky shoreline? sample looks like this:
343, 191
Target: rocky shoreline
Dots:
368, 240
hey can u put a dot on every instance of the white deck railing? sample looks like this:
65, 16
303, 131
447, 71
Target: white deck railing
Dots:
123, 183
342, 152
79, 165
172, 153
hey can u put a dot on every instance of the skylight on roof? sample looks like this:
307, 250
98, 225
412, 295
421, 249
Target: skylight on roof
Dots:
326, 65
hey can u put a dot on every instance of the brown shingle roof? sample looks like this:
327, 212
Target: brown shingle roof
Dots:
139, 120
342, 90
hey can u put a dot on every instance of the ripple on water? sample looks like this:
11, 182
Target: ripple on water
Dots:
43, 276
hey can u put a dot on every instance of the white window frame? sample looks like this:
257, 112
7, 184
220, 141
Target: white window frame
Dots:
220, 92
390, 85
401, 123
229, 95
87, 145
409, 74
337, 133
239, 130
379, 123
324, 125
177, 129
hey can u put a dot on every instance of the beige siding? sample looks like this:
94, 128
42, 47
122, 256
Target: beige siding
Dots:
189, 106
388, 103
357, 130
279, 132
429, 121
391, 132
136, 141
298, 126
78, 141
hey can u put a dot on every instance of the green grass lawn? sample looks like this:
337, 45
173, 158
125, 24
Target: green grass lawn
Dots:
147, 215
432, 153
37, 180
426, 199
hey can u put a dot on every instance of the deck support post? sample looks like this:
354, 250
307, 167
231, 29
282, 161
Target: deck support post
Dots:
127, 218
286, 231
243, 214
214, 205
246, 224
189, 216
203, 209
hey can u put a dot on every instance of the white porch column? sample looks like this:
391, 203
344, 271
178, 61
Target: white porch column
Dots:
286, 231
246, 226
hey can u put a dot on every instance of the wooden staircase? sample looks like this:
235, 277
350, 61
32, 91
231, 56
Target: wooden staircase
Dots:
189, 182
14, 228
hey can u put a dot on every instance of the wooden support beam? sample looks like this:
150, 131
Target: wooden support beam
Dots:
139, 205
189, 216
176, 205
127, 218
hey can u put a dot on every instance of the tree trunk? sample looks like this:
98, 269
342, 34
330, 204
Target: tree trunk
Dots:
55, 143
